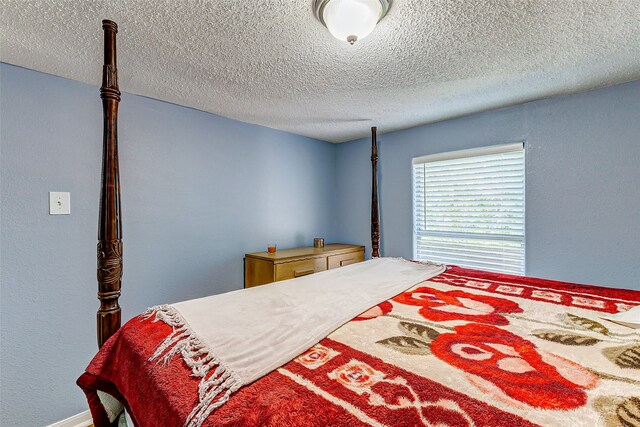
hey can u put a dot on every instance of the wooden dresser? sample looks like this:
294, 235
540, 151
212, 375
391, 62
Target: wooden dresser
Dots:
263, 267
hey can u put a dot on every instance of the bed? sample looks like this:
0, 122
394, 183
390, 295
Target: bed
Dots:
445, 346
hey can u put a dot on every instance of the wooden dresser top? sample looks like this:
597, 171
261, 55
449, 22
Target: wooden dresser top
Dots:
306, 252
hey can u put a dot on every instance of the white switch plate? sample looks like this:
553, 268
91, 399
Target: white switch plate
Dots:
59, 203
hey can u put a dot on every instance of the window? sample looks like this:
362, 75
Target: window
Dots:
468, 208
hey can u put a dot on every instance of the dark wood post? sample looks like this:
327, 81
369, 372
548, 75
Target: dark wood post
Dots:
375, 220
109, 223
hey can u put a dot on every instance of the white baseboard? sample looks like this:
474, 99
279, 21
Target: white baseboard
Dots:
83, 419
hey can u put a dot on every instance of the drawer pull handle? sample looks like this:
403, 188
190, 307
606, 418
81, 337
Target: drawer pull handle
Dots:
346, 262
302, 273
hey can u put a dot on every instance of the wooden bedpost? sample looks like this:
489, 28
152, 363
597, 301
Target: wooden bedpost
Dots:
109, 223
375, 220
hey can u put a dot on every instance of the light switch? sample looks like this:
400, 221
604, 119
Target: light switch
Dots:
59, 203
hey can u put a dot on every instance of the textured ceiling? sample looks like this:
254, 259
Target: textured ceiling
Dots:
272, 63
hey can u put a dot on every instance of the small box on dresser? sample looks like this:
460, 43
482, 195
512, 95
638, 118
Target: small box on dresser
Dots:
263, 267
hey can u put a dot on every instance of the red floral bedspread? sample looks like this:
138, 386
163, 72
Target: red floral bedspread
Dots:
466, 348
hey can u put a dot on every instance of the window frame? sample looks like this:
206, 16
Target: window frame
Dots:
473, 152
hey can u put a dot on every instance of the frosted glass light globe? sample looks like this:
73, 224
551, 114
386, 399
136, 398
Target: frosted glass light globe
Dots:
351, 20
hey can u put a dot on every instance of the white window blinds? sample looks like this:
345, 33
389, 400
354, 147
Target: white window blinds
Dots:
468, 208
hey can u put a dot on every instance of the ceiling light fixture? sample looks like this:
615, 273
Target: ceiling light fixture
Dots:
350, 20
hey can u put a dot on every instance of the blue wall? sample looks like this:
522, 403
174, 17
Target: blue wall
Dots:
582, 182
198, 192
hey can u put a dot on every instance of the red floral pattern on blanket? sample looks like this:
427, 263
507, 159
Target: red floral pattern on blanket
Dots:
441, 306
515, 366
379, 310
316, 356
357, 376
432, 373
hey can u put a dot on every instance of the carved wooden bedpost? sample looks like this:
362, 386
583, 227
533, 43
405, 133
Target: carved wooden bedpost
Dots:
375, 220
109, 223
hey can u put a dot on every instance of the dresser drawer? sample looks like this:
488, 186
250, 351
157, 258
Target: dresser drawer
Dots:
290, 270
335, 261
